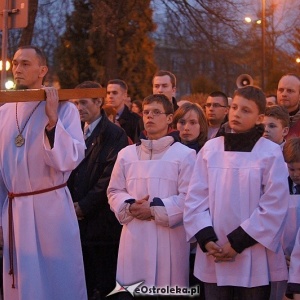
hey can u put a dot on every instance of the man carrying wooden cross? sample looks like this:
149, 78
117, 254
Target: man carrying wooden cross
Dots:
41, 143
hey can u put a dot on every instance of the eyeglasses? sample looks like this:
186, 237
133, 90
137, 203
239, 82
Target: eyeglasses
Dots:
155, 112
214, 105
289, 91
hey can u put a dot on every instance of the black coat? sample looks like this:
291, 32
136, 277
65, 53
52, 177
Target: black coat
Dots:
132, 123
89, 181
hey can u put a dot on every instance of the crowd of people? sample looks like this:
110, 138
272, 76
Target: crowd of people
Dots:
99, 194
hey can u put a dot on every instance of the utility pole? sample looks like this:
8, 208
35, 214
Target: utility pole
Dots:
263, 44
14, 14
4, 44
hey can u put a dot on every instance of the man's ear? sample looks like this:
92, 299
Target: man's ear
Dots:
43, 71
260, 119
170, 118
174, 91
285, 131
99, 102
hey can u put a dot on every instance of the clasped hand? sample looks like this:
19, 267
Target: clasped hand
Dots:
140, 209
224, 253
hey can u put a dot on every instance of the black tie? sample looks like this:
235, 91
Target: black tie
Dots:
297, 189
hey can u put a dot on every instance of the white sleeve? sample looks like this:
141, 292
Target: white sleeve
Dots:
117, 193
294, 270
267, 221
69, 146
175, 204
196, 211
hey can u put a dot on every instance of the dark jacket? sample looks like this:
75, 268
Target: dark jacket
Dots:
132, 123
89, 181
192, 145
175, 105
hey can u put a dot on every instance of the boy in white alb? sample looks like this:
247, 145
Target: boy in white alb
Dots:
291, 152
276, 122
294, 271
146, 192
236, 206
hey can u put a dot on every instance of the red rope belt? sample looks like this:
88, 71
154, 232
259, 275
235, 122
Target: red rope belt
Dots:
11, 196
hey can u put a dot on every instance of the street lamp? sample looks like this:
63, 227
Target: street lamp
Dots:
249, 20
262, 22
5, 84
9, 84
7, 65
298, 60
263, 44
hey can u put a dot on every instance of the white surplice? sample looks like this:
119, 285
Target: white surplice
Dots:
292, 224
294, 270
47, 252
148, 251
229, 189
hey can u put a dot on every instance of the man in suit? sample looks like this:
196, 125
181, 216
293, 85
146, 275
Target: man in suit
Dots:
164, 82
99, 229
216, 110
116, 96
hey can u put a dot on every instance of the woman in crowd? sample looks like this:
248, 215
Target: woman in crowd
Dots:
190, 121
137, 107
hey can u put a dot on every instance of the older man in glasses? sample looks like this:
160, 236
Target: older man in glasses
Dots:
288, 96
216, 110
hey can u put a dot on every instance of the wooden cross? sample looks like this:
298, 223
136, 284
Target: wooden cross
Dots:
38, 95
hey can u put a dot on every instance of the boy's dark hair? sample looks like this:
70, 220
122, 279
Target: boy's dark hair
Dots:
39, 52
120, 82
280, 113
90, 85
253, 93
291, 150
164, 73
160, 98
220, 94
271, 95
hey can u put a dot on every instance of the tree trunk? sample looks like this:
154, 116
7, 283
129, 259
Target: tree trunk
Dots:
27, 32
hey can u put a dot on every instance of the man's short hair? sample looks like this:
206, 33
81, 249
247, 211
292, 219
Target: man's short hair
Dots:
291, 74
120, 82
255, 94
280, 113
219, 94
90, 85
166, 73
39, 52
160, 98
291, 150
